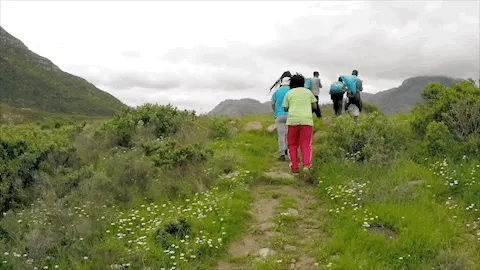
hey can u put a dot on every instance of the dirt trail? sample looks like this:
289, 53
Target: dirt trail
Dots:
285, 226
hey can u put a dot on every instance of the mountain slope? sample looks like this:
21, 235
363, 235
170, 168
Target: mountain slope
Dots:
404, 97
28, 80
240, 107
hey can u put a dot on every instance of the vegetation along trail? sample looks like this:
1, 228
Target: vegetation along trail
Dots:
154, 187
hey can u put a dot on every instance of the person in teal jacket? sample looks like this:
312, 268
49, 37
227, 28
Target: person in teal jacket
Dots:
353, 86
281, 116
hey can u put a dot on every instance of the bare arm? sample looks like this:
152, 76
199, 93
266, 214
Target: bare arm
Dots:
273, 106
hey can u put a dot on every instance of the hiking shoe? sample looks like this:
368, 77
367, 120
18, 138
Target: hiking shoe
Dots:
295, 172
307, 174
281, 158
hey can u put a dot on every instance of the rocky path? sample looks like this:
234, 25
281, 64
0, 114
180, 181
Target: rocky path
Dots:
285, 227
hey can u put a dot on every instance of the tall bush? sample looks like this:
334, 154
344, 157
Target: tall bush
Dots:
374, 137
165, 120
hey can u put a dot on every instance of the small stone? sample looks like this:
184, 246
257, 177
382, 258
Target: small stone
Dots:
290, 248
292, 212
253, 126
271, 128
265, 252
279, 175
266, 226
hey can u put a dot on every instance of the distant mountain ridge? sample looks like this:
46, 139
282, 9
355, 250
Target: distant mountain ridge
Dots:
395, 100
240, 107
28, 80
402, 98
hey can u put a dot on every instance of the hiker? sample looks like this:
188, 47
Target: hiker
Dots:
314, 86
353, 86
281, 116
299, 102
336, 94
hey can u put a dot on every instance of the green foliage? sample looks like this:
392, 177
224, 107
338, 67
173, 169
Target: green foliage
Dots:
173, 190
169, 153
165, 120
220, 128
457, 106
24, 151
375, 138
438, 139
369, 108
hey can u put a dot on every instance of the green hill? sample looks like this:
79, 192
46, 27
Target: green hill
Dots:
28, 80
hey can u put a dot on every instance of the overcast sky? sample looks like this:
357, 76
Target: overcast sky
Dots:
196, 54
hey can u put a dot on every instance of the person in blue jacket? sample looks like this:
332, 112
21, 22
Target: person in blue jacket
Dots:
281, 116
353, 86
336, 94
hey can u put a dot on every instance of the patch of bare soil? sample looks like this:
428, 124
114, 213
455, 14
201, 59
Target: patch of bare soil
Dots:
305, 263
264, 209
389, 234
247, 246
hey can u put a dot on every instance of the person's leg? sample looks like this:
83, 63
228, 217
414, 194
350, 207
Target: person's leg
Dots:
340, 106
280, 123
305, 138
317, 111
337, 106
293, 142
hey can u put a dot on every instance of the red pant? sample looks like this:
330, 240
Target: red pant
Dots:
300, 136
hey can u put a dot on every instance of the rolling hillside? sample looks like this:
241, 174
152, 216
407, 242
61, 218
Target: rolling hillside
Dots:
28, 80
241, 107
403, 97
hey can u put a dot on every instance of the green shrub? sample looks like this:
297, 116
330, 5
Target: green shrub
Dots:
26, 150
220, 128
369, 108
165, 120
457, 106
374, 137
438, 139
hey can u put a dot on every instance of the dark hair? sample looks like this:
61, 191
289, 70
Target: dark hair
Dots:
340, 79
277, 82
315, 73
297, 80
355, 72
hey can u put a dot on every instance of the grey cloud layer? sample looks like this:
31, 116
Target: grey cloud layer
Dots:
429, 40
438, 42
125, 80
363, 42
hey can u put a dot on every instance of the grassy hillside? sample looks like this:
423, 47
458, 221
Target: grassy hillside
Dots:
28, 80
158, 188
13, 115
